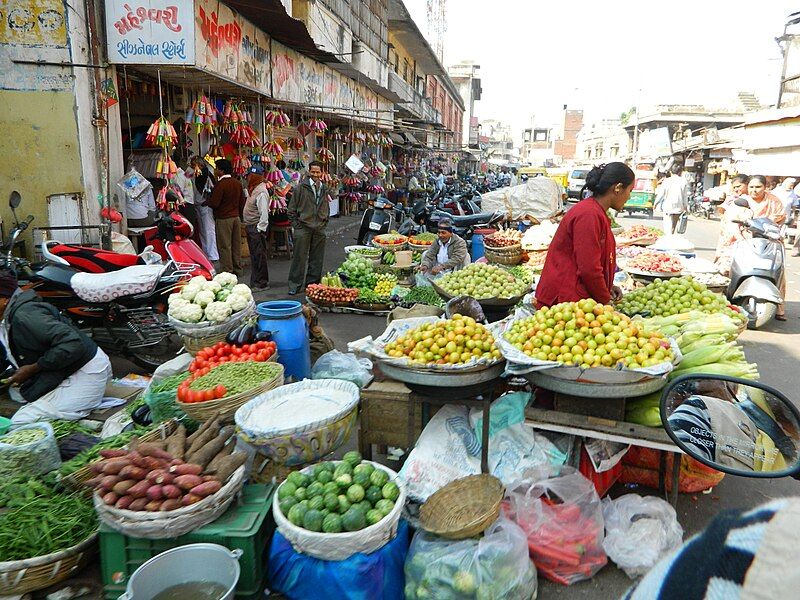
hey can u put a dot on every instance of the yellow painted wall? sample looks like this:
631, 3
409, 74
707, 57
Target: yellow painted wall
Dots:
402, 53
39, 154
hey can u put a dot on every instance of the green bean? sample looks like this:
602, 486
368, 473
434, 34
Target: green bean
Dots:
236, 377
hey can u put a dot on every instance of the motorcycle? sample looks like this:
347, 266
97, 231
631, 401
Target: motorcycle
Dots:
377, 219
737, 426
757, 270
701, 206
168, 240
123, 311
463, 226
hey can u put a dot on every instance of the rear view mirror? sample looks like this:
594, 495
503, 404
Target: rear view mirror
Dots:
741, 202
14, 199
733, 425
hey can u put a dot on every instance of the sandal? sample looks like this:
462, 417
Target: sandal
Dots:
780, 317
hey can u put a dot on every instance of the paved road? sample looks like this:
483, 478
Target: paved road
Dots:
776, 349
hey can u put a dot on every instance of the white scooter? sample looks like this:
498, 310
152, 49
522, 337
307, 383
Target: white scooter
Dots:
757, 270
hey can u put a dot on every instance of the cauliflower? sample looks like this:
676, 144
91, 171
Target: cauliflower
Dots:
203, 298
189, 292
212, 286
198, 281
238, 302
174, 299
186, 312
218, 312
223, 294
226, 279
243, 290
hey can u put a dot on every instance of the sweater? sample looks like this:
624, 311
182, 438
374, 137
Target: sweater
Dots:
227, 199
256, 208
581, 260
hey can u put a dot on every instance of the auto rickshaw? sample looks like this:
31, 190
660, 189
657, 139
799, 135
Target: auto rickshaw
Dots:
643, 194
532, 172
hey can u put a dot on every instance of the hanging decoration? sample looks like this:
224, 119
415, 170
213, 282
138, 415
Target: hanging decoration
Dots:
324, 155
296, 143
162, 134
241, 163
304, 128
202, 116
274, 148
317, 125
277, 118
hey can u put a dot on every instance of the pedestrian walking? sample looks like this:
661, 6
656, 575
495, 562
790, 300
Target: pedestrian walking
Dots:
227, 201
309, 213
256, 223
673, 197
184, 181
203, 186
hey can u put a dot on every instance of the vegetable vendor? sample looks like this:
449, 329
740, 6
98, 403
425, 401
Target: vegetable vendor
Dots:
60, 372
581, 261
447, 253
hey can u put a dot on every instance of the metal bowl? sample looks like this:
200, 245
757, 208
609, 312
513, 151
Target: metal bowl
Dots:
456, 378
596, 390
491, 302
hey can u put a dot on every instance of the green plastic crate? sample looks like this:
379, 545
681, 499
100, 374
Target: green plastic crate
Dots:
247, 526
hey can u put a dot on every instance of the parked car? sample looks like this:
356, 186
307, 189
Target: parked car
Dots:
576, 181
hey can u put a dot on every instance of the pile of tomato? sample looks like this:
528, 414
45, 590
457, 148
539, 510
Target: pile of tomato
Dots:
222, 352
185, 394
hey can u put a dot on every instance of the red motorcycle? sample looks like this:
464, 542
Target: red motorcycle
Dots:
169, 239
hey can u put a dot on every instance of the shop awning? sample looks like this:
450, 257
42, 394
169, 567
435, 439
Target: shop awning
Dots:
411, 139
776, 164
397, 138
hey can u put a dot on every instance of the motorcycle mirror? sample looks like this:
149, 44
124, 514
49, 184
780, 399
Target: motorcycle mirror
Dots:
14, 199
733, 425
741, 202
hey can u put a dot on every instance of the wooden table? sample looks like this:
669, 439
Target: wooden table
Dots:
613, 431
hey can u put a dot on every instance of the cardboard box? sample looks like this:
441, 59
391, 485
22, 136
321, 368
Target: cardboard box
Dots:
403, 258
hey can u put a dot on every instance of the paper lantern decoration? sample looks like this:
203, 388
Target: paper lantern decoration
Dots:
317, 125
162, 133
202, 116
244, 135
272, 147
324, 155
274, 176
351, 181
304, 128
296, 143
241, 164
277, 118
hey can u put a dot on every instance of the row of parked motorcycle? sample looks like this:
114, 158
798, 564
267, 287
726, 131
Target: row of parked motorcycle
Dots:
132, 323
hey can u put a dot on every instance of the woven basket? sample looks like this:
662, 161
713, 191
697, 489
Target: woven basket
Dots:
196, 336
226, 407
508, 255
419, 247
463, 508
170, 524
76, 480
395, 247
29, 574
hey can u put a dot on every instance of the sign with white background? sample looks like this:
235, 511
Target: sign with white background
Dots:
150, 32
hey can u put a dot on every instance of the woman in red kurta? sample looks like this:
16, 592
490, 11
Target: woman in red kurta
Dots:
581, 259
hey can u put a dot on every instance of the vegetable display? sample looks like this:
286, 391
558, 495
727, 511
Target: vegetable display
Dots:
389, 239
358, 272
588, 334
29, 449
227, 379
334, 498
95, 452
148, 477
385, 284
637, 232
452, 341
37, 518
332, 280
655, 262
23, 437
335, 295
503, 238
423, 294
223, 352
422, 239
676, 295
365, 251
482, 281
215, 300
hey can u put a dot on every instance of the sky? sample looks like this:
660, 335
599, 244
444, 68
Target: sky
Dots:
607, 56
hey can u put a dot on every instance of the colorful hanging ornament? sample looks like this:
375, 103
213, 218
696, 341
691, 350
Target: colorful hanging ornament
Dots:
202, 116
244, 135
272, 147
351, 181
274, 175
324, 155
162, 133
241, 163
166, 167
277, 118
317, 125
304, 128
296, 143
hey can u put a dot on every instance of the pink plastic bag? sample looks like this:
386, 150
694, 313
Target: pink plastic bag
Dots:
561, 514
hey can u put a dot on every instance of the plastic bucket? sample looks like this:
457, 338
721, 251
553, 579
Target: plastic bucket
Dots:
477, 250
284, 318
206, 563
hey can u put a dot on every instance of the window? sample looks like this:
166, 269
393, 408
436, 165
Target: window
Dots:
540, 135
405, 70
614, 151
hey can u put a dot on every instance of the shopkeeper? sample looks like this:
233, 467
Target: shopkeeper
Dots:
60, 372
447, 253
581, 260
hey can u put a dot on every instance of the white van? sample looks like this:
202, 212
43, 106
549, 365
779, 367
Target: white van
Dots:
576, 181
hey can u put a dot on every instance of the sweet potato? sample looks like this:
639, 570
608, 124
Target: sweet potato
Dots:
228, 465
155, 492
201, 430
109, 481
201, 440
190, 499
94, 482
172, 491
152, 449
187, 482
124, 503
110, 498
140, 489
209, 478
176, 443
97, 467
133, 472
113, 466
206, 488
227, 450
186, 469
171, 504
113, 453
138, 503
153, 506
122, 487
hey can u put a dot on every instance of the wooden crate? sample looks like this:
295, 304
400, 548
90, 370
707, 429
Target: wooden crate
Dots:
385, 416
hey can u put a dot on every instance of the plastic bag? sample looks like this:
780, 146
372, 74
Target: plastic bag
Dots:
639, 532
133, 183
34, 458
466, 306
495, 566
375, 576
338, 365
560, 512
162, 404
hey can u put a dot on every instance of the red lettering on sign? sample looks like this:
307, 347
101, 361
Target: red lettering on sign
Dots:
219, 36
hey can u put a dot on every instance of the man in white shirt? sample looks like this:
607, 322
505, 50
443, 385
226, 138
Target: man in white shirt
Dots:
673, 198
183, 180
439, 181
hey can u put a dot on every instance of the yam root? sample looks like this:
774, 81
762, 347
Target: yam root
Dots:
228, 465
186, 469
227, 450
153, 450
212, 422
204, 455
201, 440
176, 443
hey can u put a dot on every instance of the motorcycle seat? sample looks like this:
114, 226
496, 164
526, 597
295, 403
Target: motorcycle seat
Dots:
105, 287
93, 260
466, 220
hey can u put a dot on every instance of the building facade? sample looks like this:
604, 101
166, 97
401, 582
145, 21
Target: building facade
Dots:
564, 147
603, 141
466, 78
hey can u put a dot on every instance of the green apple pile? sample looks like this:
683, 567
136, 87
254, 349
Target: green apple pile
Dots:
665, 297
588, 334
482, 281
447, 341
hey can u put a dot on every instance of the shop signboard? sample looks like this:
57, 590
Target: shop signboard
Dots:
150, 32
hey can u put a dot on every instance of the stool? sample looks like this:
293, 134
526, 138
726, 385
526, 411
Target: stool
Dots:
285, 231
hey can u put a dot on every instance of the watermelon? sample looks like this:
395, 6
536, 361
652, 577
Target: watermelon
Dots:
331, 502
332, 524
353, 520
361, 479
344, 481
391, 491
379, 478
373, 517
296, 514
331, 488
316, 503
363, 506
329, 466
344, 504
363, 468
317, 470
300, 493
352, 458
287, 503
312, 520
325, 512
355, 493
315, 489
385, 506
298, 479
342, 469
325, 477
287, 489
373, 494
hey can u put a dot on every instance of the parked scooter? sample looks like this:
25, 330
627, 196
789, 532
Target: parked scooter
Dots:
132, 322
757, 270
377, 219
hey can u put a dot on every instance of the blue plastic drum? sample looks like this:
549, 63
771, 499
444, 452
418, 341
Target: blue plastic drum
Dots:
284, 318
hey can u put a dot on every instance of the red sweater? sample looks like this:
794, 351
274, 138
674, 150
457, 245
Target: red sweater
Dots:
582, 258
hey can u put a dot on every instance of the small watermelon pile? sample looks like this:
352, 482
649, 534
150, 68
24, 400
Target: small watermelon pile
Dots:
336, 497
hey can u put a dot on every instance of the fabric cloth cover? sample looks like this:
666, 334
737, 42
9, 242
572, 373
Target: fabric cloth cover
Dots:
104, 287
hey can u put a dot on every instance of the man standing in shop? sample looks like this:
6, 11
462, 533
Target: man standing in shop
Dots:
227, 201
308, 212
